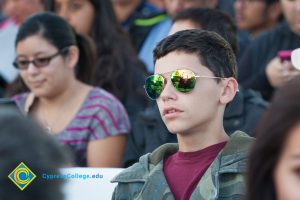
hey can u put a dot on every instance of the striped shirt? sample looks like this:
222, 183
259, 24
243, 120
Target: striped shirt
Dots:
101, 115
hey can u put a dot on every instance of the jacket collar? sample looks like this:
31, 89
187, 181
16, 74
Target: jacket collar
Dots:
230, 159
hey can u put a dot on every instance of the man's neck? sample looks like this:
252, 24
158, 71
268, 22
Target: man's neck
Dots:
197, 140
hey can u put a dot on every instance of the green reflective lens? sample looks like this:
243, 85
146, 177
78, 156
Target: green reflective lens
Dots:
183, 80
154, 86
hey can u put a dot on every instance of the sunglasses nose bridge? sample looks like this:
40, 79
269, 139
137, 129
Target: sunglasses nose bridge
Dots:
168, 92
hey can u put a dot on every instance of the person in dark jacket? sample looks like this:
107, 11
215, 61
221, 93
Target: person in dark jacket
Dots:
262, 67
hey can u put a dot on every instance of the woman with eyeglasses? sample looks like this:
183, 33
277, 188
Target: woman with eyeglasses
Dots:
55, 65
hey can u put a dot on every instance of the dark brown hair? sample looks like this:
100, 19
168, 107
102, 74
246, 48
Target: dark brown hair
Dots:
282, 115
213, 51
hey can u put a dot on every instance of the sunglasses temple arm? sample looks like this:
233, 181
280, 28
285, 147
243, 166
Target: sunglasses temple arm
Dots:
214, 77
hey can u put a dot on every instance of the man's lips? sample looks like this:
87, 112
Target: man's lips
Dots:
168, 111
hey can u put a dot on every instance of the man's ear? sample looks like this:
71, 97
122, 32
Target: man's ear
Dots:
230, 87
73, 56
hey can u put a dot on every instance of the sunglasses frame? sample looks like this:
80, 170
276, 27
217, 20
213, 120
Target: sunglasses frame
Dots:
171, 73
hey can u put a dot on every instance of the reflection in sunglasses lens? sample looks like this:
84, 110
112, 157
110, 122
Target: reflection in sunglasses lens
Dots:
154, 86
183, 80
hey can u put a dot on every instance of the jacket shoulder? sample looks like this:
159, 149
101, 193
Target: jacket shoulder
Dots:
136, 172
239, 142
234, 166
131, 180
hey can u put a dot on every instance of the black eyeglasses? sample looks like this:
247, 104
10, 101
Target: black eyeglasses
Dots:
38, 62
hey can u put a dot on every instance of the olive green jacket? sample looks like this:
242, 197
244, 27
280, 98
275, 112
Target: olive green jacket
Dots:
224, 179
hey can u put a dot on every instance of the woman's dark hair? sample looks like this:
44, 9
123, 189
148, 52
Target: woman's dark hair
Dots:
60, 34
117, 63
273, 131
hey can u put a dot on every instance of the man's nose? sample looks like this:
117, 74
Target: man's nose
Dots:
169, 92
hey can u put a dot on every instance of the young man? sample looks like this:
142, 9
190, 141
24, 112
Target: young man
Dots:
195, 78
243, 113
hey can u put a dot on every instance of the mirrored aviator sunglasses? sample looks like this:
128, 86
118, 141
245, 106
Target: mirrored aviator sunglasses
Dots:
183, 81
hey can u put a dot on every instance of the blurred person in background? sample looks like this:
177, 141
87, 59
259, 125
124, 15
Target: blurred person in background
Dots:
173, 7
56, 65
262, 68
274, 165
256, 16
2, 80
22, 140
15, 12
118, 70
227, 6
1, 14
155, 32
157, 3
19, 10
134, 14
127, 10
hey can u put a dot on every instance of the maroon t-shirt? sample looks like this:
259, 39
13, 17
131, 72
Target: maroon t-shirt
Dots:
183, 170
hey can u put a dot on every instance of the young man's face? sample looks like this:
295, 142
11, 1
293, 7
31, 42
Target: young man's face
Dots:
193, 111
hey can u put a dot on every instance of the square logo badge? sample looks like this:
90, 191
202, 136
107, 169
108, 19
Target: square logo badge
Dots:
22, 176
